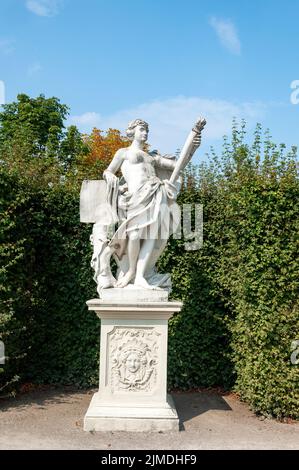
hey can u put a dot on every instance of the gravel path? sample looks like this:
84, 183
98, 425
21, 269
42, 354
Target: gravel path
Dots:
53, 419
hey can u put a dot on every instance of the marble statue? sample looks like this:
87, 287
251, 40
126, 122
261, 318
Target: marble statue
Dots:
137, 212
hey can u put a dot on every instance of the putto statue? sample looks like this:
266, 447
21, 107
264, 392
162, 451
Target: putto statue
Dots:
136, 213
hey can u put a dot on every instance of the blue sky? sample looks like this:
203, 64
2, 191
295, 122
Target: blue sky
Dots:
167, 61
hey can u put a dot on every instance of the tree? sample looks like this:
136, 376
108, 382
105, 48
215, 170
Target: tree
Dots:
98, 152
103, 147
34, 127
72, 148
40, 121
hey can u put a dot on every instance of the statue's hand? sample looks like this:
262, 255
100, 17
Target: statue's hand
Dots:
123, 188
171, 189
110, 177
197, 140
198, 128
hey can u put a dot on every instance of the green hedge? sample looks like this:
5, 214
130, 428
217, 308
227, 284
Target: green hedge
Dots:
262, 279
240, 312
49, 282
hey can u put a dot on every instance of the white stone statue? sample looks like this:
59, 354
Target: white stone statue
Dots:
135, 213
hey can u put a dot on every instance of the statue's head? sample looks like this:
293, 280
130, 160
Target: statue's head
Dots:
137, 129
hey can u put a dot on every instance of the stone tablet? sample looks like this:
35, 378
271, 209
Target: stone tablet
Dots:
92, 195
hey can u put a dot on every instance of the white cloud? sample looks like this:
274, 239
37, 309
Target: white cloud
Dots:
34, 69
86, 121
227, 33
44, 7
7, 46
171, 120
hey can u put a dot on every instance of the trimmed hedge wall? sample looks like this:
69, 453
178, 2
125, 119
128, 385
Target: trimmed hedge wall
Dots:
240, 290
49, 282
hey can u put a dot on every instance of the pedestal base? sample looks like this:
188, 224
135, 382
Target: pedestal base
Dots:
134, 418
133, 367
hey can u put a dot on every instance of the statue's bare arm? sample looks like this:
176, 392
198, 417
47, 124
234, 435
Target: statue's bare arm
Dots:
167, 163
109, 173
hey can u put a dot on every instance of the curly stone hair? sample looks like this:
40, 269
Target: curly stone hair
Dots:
131, 127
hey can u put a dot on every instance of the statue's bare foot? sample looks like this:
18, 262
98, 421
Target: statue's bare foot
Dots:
141, 282
124, 281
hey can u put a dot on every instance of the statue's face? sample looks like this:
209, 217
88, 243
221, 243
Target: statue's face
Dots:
133, 363
141, 133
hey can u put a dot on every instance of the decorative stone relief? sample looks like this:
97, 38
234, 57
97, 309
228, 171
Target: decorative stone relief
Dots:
133, 353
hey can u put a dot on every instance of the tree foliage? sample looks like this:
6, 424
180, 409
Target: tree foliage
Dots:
103, 147
34, 128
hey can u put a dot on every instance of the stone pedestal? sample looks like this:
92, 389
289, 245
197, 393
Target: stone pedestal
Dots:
133, 367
